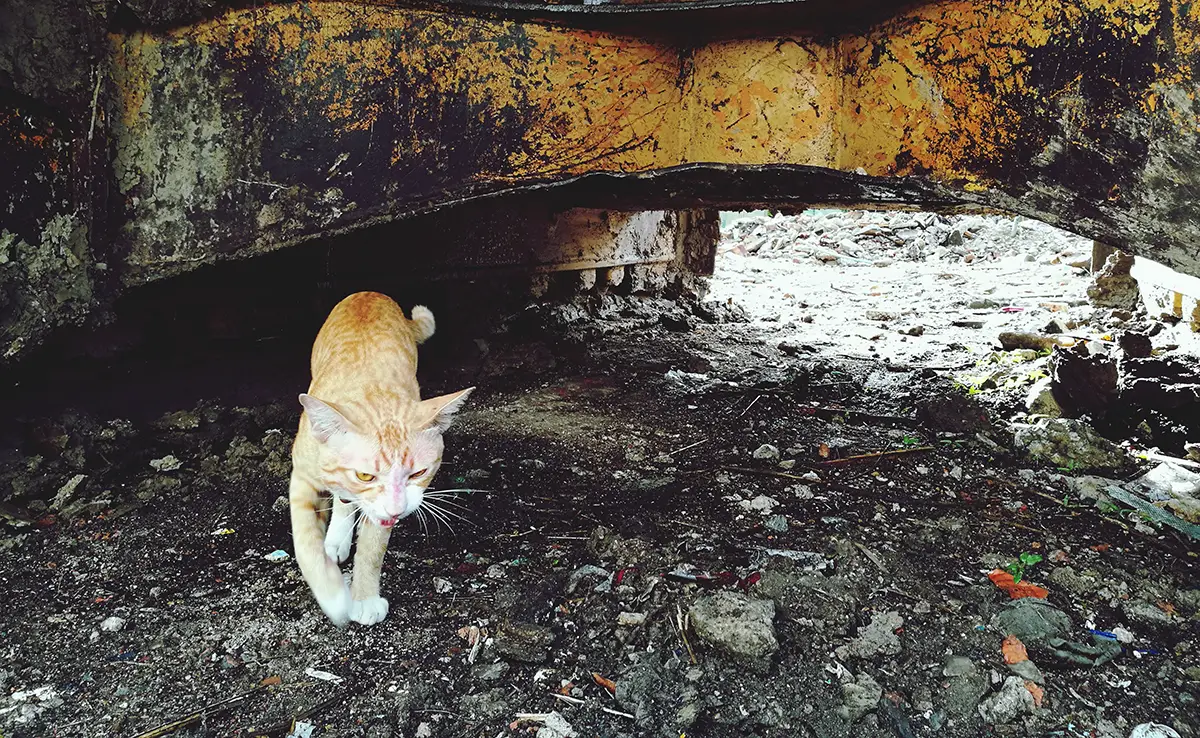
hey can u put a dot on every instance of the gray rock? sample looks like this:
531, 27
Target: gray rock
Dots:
1069, 443
876, 639
485, 705
523, 641
1012, 701
556, 726
152, 487
777, 523
859, 697
828, 603
1032, 620
1040, 399
112, 623
1078, 583
167, 463
767, 451
958, 666
962, 693
1028, 671
490, 672
1113, 287
1145, 612
740, 627
67, 492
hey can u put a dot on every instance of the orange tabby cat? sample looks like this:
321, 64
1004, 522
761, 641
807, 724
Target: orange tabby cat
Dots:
368, 439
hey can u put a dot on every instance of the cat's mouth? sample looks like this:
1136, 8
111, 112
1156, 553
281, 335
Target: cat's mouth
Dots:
388, 522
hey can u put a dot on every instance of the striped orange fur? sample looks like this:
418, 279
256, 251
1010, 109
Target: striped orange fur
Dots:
368, 439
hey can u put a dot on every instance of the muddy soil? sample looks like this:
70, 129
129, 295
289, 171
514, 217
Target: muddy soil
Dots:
746, 538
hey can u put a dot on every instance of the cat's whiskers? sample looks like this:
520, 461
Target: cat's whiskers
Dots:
439, 516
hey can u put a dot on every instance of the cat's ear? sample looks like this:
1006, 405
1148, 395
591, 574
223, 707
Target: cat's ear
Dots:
439, 411
324, 419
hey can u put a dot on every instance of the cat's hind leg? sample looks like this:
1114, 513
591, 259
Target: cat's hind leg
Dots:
323, 575
340, 532
368, 607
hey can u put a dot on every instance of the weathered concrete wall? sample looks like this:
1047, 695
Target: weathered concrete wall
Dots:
257, 127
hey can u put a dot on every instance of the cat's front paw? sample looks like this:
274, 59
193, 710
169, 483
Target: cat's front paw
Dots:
369, 611
337, 547
338, 607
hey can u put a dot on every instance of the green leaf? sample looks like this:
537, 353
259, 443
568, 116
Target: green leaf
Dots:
1029, 559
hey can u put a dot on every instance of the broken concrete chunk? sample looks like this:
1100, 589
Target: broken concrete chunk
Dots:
767, 451
1012, 701
878, 638
859, 697
1069, 444
1113, 287
958, 666
741, 627
67, 491
524, 641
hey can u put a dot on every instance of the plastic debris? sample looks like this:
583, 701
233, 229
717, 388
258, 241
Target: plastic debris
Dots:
1015, 589
302, 729
323, 675
278, 555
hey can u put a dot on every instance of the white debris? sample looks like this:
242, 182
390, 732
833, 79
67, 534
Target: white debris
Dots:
631, 618
112, 624
323, 675
1153, 730
302, 729
442, 586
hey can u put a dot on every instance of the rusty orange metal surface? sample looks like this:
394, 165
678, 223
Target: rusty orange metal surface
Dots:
344, 113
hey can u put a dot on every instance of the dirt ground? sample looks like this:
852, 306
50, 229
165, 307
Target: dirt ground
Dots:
689, 509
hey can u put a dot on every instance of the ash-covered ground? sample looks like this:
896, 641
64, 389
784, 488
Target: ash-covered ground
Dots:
777, 513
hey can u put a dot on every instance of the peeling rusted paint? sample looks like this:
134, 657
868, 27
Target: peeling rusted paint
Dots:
346, 112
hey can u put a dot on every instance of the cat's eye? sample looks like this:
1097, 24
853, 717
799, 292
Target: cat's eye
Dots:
364, 477
418, 473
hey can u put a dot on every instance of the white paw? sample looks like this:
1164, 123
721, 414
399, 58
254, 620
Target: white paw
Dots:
338, 538
370, 611
339, 607
337, 548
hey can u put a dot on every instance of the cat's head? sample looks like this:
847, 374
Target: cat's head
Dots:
383, 465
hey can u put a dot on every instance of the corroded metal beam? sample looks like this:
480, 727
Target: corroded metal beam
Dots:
270, 124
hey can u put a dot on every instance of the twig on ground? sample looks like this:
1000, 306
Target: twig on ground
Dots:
879, 454
756, 399
764, 472
682, 624
685, 448
208, 711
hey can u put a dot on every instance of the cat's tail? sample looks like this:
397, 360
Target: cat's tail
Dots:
423, 325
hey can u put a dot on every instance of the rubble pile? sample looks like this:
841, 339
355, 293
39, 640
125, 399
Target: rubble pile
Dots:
716, 529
